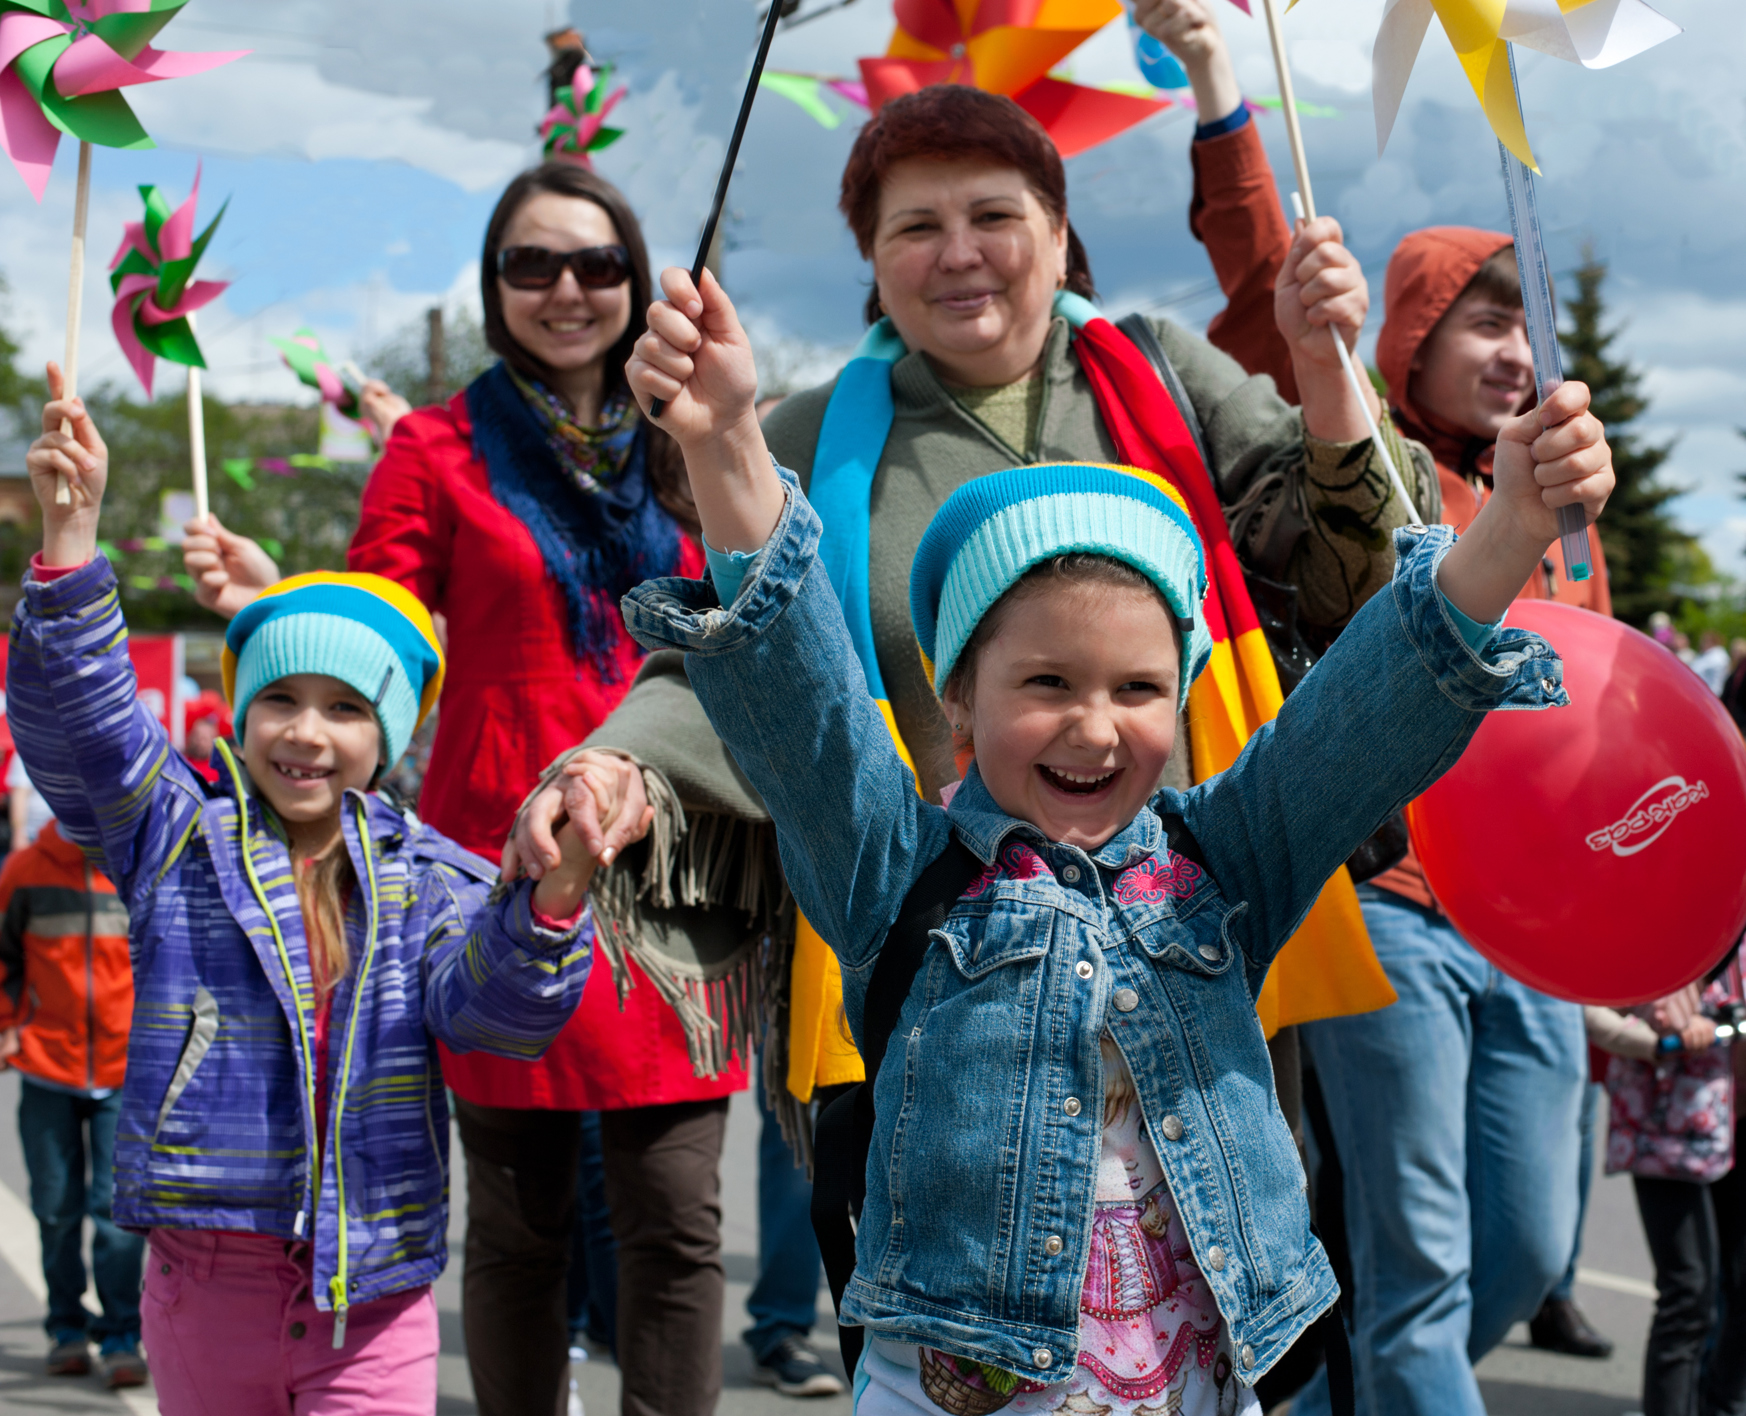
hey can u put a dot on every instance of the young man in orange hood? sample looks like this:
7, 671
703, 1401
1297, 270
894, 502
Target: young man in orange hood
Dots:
1456, 1110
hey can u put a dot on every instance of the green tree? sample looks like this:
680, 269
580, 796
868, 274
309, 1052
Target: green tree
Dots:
1645, 550
303, 515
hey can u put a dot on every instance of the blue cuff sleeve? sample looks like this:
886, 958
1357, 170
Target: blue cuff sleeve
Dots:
728, 570
1220, 126
1476, 634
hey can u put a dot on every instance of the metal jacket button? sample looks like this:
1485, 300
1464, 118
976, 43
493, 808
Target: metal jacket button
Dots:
1215, 1258
1083, 968
1210, 953
1071, 1106
1070, 874
1052, 1245
1043, 1358
1248, 1357
1171, 1126
1125, 1000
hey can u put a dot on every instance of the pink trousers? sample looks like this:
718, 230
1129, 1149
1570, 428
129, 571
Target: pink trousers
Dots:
231, 1329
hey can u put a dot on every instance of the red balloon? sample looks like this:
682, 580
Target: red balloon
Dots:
1595, 852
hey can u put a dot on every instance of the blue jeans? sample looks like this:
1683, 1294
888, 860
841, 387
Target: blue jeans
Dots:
1585, 1126
1455, 1115
591, 1287
52, 1126
784, 1301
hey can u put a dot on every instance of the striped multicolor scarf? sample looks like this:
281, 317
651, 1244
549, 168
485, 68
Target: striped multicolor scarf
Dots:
1328, 968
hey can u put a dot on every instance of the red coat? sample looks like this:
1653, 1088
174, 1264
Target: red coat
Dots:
515, 697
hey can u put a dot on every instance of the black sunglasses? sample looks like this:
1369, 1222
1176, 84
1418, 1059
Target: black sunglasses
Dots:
536, 268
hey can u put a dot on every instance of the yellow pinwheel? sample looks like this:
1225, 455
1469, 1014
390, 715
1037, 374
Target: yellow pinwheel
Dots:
1593, 33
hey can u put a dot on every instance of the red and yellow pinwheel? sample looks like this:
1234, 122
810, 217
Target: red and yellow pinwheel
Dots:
1008, 47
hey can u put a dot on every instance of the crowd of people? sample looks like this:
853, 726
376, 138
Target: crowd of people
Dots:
1108, 885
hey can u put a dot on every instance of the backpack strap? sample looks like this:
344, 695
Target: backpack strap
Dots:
844, 1133
1144, 338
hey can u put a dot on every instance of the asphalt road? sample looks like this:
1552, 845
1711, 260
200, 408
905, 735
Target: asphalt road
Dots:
1517, 1380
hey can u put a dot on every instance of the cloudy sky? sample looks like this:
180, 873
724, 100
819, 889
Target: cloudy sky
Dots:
361, 147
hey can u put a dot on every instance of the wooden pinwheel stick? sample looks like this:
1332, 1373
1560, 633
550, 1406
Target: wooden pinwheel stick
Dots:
197, 436
75, 301
771, 20
1304, 200
1288, 102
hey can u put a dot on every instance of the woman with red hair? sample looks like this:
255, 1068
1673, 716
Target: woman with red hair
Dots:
986, 352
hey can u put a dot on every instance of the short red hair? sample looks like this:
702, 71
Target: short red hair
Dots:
950, 123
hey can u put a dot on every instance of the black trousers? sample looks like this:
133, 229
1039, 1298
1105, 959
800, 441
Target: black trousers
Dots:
663, 1187
1697, 1237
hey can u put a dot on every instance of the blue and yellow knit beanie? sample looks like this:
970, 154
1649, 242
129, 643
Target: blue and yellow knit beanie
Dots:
992, 530
364, 630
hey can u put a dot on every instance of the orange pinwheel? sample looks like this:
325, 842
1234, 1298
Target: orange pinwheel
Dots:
1007, 47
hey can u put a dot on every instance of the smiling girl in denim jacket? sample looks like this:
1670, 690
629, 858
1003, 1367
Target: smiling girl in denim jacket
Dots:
1081, 1192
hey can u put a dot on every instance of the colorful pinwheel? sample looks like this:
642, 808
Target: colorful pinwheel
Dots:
573, 128
1593, 33
1008, 47
62, 64
304, 356
154, 293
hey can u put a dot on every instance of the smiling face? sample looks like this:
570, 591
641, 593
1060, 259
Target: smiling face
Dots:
569, 328
968, 261
1072, 704
1475, 371
306, 739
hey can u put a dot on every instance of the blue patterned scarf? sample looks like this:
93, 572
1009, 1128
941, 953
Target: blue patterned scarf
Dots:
585, 497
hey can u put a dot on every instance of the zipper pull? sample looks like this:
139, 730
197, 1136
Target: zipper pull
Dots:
336, 1291
298, 1223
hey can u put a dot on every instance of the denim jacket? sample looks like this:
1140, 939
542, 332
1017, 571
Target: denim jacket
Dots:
980, 1181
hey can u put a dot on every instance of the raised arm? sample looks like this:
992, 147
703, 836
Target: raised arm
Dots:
776, 671
93, 750
1397, 698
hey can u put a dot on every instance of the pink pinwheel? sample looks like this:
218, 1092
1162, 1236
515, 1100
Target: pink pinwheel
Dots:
574, 126
62, 66
154, 294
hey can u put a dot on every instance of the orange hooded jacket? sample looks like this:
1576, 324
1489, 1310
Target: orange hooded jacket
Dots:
66, 981
1426, 275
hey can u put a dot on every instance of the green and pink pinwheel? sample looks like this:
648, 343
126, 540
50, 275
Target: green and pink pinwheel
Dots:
305, 356
152, 277
62, 66
574, 126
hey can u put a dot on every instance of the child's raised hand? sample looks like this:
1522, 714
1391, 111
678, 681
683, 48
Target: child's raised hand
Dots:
696, 358
69, 531
1552, 456
228, 570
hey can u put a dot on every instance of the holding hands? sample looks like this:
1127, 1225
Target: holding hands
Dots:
579, 821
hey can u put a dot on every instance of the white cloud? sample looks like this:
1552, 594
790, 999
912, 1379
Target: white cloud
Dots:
1341, 64
286, 108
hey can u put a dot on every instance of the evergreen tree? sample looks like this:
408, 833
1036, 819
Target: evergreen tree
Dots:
1643, 547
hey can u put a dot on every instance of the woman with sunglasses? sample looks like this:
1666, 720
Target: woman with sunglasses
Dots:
522, 510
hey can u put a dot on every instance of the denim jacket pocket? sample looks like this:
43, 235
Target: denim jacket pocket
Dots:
1200, 944
986, 940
